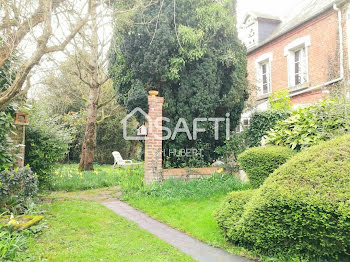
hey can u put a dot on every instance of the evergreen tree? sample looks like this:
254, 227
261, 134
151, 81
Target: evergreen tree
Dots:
190, 52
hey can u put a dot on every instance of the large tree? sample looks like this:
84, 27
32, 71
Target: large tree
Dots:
34, 28
190, 52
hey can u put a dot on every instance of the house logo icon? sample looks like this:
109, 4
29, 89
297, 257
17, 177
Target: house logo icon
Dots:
125, 125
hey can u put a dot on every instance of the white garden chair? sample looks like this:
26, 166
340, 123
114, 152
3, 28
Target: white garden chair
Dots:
119, 161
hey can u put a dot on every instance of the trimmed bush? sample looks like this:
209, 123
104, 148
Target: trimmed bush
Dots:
16, 188
231, 210
303, 208
260, 162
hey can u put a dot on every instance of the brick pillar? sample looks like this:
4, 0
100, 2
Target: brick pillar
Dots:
18, 139
153, 143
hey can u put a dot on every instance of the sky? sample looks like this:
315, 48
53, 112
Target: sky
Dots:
273, 7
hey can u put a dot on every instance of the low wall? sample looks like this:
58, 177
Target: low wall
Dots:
189, 173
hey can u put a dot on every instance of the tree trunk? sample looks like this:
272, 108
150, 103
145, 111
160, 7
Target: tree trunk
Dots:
89, 142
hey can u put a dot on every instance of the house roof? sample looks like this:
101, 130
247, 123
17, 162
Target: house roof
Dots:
302, 12
261, 16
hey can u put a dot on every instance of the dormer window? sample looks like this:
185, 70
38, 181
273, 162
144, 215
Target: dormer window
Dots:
257, 27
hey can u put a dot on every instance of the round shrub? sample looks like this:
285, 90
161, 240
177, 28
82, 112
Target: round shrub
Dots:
231, 210
303, 208
16, 188
260, 162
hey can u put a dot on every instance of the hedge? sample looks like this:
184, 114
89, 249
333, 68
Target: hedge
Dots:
231, 210
261, 123
260, 162
303, 208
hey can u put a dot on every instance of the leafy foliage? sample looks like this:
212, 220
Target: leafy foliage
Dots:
192, 56
303, 208
10, 244
280, 100
311, 125
261, 123
17, 187
47, 143
260, 162
6, 125
236, 145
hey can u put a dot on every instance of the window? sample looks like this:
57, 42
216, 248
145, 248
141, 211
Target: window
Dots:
297, 57
265, 79
300, 67
244, 124
263, 69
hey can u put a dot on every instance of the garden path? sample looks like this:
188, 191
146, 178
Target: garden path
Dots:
193, 247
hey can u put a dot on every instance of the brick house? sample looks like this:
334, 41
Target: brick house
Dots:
305, 52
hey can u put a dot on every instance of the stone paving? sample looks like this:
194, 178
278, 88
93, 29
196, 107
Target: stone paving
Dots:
188, 245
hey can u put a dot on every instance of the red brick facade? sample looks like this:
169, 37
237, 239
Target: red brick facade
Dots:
323, 57
153, 144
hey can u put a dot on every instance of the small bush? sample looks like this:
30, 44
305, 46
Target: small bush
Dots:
231, 210
17, 188
235, 146
311, 125
43, 152
303, 208
260, 162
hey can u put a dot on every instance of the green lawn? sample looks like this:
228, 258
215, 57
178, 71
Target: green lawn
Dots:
87, 231
190, 206
192, 216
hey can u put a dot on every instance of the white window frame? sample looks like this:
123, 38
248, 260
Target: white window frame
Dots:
265, 59
301, 44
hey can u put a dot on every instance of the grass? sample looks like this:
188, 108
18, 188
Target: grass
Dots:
69, 178
190, 206
87, 231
